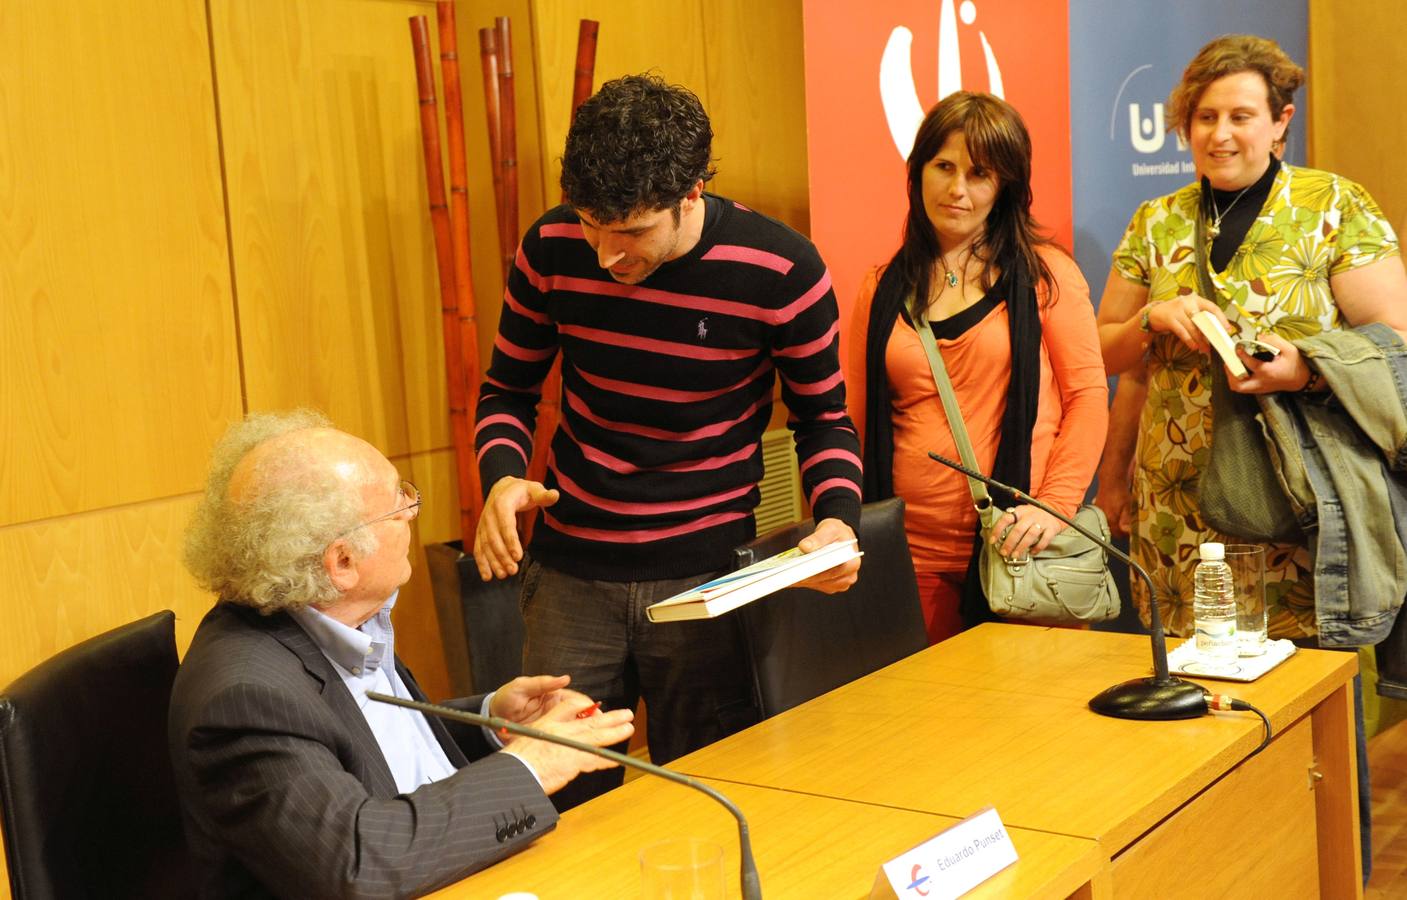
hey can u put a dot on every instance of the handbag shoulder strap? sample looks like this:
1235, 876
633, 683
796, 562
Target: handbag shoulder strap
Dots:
953, 413
1199, 238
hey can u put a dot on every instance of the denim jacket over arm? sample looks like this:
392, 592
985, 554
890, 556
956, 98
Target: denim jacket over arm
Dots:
1342, 458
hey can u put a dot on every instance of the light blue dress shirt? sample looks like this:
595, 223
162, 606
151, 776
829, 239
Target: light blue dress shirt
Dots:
364, 657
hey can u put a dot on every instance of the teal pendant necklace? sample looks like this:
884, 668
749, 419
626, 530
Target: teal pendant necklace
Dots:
949, 275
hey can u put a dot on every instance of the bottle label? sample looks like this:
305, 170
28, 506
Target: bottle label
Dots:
1216, 636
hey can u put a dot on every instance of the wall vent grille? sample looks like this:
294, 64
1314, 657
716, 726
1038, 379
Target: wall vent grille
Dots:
781, 485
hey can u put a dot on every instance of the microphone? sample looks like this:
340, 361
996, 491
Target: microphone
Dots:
751, 886
1164, 696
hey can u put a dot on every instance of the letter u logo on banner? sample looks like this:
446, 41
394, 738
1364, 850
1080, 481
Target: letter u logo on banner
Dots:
903, 109
1146, 135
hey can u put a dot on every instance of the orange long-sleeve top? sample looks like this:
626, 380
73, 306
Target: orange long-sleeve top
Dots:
1072, 415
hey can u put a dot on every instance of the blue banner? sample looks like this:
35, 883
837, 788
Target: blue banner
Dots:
1124, 60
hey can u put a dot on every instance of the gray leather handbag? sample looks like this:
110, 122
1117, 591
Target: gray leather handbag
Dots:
1238, 492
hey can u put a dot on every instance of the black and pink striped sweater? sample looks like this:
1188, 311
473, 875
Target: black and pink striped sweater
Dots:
667, 387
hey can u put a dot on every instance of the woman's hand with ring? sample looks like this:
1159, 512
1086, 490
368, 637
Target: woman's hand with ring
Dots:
1174, 317
1025, 530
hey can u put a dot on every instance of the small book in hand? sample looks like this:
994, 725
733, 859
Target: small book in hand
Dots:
1221, 342
727, 592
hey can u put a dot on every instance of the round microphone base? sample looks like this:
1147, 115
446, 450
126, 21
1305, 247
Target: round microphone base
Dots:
1151, 698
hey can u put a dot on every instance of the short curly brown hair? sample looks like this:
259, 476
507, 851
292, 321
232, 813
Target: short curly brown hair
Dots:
637, 145
1229, 55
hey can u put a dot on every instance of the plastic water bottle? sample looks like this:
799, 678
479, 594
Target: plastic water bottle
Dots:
1214, 606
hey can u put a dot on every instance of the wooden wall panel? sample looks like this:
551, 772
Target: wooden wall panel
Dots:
117, 362
334, 263
757, 103
433, 473
65, 580
1357, 84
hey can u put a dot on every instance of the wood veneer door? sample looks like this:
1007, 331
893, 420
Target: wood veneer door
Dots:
1250, 834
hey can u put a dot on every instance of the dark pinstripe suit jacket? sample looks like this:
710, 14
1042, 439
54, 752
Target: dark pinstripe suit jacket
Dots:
284, 791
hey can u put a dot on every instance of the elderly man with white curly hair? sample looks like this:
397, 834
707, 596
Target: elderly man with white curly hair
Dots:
291, 782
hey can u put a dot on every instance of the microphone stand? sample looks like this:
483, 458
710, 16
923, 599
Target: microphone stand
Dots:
751, 885
1164, 696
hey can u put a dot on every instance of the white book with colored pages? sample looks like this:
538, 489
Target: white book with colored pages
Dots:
727, 592
1221, 342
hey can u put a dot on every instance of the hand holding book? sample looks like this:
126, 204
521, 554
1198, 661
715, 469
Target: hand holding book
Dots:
1275, 364
1220, 341
838, 578
790, 568
1173, 316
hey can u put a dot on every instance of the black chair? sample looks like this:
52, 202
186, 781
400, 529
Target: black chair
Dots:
87, 798
481, 623
1391, 656
803, 643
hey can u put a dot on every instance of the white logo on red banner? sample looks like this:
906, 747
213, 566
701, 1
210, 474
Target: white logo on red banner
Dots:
902, 107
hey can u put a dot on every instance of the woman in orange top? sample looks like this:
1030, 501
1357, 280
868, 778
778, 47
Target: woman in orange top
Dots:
1013, 321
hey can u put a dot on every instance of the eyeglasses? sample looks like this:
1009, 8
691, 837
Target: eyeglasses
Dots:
407, 498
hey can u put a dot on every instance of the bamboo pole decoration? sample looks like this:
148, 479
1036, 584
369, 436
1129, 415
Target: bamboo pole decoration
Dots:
488, 60
508, 144
549, 402
461, 433
584, 74
459, 227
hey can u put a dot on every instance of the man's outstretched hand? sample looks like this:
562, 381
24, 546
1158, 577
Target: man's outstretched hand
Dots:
497, 549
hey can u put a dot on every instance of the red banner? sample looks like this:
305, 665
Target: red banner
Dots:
874, 69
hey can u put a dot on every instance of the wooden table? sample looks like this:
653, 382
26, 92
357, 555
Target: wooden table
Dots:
997, 716
804, 846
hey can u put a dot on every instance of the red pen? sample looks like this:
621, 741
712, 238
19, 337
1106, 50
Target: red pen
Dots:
590, 710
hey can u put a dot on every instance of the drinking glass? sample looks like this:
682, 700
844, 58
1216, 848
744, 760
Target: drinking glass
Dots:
1247, 562
682, 869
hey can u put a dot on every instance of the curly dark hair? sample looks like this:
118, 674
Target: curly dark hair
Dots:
638, 144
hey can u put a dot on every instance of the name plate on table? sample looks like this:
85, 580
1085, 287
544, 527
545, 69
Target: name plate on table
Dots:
950, 863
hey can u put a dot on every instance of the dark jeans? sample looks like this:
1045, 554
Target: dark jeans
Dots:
693, 676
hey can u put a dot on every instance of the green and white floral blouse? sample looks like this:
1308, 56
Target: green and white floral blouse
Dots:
1313, 225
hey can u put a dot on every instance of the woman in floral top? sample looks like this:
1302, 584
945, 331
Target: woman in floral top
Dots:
1291, 252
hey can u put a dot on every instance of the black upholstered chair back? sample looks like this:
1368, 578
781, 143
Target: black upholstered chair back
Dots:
86, 791
803, 643
481, 622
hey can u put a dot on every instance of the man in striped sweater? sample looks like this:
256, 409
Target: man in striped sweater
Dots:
672, 309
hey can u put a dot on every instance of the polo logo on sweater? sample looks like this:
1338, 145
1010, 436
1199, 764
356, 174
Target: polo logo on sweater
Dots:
703, 328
